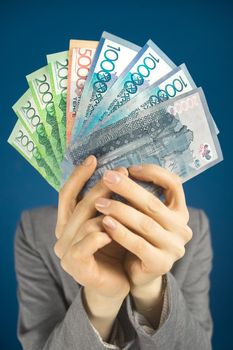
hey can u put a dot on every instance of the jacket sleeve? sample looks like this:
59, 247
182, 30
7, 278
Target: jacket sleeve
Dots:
45, 322
188, 322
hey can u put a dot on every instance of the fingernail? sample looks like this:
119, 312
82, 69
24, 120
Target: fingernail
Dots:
111, 177
88, 161
102, 203
109, 222
136, 167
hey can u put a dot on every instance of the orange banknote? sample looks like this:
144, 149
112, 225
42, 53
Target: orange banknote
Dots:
81, 54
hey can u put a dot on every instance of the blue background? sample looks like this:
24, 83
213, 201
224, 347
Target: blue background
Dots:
197, 33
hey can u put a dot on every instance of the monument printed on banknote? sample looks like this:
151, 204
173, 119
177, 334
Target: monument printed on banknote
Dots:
169, 134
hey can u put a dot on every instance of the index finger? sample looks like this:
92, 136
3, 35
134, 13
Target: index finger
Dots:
170, 182
137, 195
82, 212
70, 191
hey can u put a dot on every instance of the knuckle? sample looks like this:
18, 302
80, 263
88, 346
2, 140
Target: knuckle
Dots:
57, 232
96, 238
152, 204
178, 251
140, 246
188, 233
57, 249
74, 254
168, 264
167, 261
88, 226
63, 264
147, 224
185, 233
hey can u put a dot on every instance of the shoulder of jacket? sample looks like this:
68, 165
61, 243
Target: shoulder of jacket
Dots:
199, 224
40, 216
39, 224
198, 219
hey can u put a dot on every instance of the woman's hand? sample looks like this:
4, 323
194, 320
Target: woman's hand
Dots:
153, 232
87, 253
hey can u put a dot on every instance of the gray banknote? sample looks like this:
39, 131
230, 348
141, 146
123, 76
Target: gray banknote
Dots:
178, 135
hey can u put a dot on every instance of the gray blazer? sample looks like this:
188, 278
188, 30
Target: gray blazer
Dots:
51, 311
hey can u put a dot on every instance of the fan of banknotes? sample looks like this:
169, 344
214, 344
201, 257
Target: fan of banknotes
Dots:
123, 103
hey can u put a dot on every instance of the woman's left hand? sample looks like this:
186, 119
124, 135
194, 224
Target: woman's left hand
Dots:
153, 232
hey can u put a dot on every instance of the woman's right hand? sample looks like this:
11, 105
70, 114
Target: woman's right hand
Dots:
86, 252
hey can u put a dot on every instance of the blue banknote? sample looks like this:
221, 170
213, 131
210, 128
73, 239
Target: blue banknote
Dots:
176, 82
148, 66
177, 134
173, 84
112, 55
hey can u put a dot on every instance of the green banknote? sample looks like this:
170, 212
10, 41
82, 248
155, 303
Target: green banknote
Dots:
27, 111
40, 85
22, 141
58, 70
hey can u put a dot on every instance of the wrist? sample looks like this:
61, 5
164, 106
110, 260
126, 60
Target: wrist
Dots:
101, 311
148, 300
146, 291
100, 306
